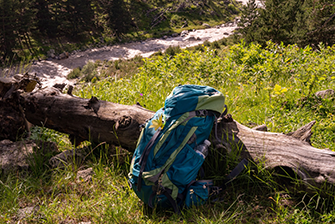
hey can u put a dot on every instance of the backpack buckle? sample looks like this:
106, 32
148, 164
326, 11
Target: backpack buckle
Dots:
215, 190
201, 113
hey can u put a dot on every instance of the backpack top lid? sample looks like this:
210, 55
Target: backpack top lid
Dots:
186, 98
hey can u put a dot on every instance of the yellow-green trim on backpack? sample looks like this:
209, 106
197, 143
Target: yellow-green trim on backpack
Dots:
211, 102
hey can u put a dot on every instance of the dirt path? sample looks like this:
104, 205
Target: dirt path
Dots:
55, 71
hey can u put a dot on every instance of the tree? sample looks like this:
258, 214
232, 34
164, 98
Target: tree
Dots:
117, 15
289, 21
78, 16
16, 23
249, 22
46, 23
8, 24
321, 22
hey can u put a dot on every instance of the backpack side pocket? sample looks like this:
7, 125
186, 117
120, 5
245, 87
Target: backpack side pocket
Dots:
198, 193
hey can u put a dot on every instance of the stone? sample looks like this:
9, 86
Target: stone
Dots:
184, 33
206, 25
59, 86
15, 155
27, 212
63, 55
51, 53
325, 93
229, 24
262, 127
85, 175
66, 158
175, 35
190, 38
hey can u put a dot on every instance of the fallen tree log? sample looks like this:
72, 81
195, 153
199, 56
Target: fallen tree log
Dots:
85, 119
101, 121
314, 166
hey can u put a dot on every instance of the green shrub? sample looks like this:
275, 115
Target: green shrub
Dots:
200, 48
138, 58
75, 73
117, 64
89, 71
175, 20
89, 68
172, 51
206, 43
215, 45
90, 76
158, 53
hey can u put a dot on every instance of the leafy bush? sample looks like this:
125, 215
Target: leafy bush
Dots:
176, 20
215, 45
89, 71
88, 68
206, 43
172, 51
116, 64
75, 73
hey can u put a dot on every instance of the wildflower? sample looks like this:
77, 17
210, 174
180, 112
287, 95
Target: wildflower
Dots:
158, 123
279, 90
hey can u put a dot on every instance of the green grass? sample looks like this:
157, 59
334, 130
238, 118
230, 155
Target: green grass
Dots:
273, 86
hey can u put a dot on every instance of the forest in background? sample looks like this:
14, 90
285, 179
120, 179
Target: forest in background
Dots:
27, 28
301, 22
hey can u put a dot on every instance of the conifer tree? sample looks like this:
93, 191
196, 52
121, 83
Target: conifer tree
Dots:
7, 26
118, 16
78, 16
249, 22
45, 19
321, 22
289, 21
16, 23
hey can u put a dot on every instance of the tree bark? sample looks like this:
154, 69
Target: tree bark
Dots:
101, 121
314, 166
86, 119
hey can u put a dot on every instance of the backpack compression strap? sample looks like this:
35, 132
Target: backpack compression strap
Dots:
167, 193
144, 157
233, 174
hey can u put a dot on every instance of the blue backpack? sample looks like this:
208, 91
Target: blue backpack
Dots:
165, 165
